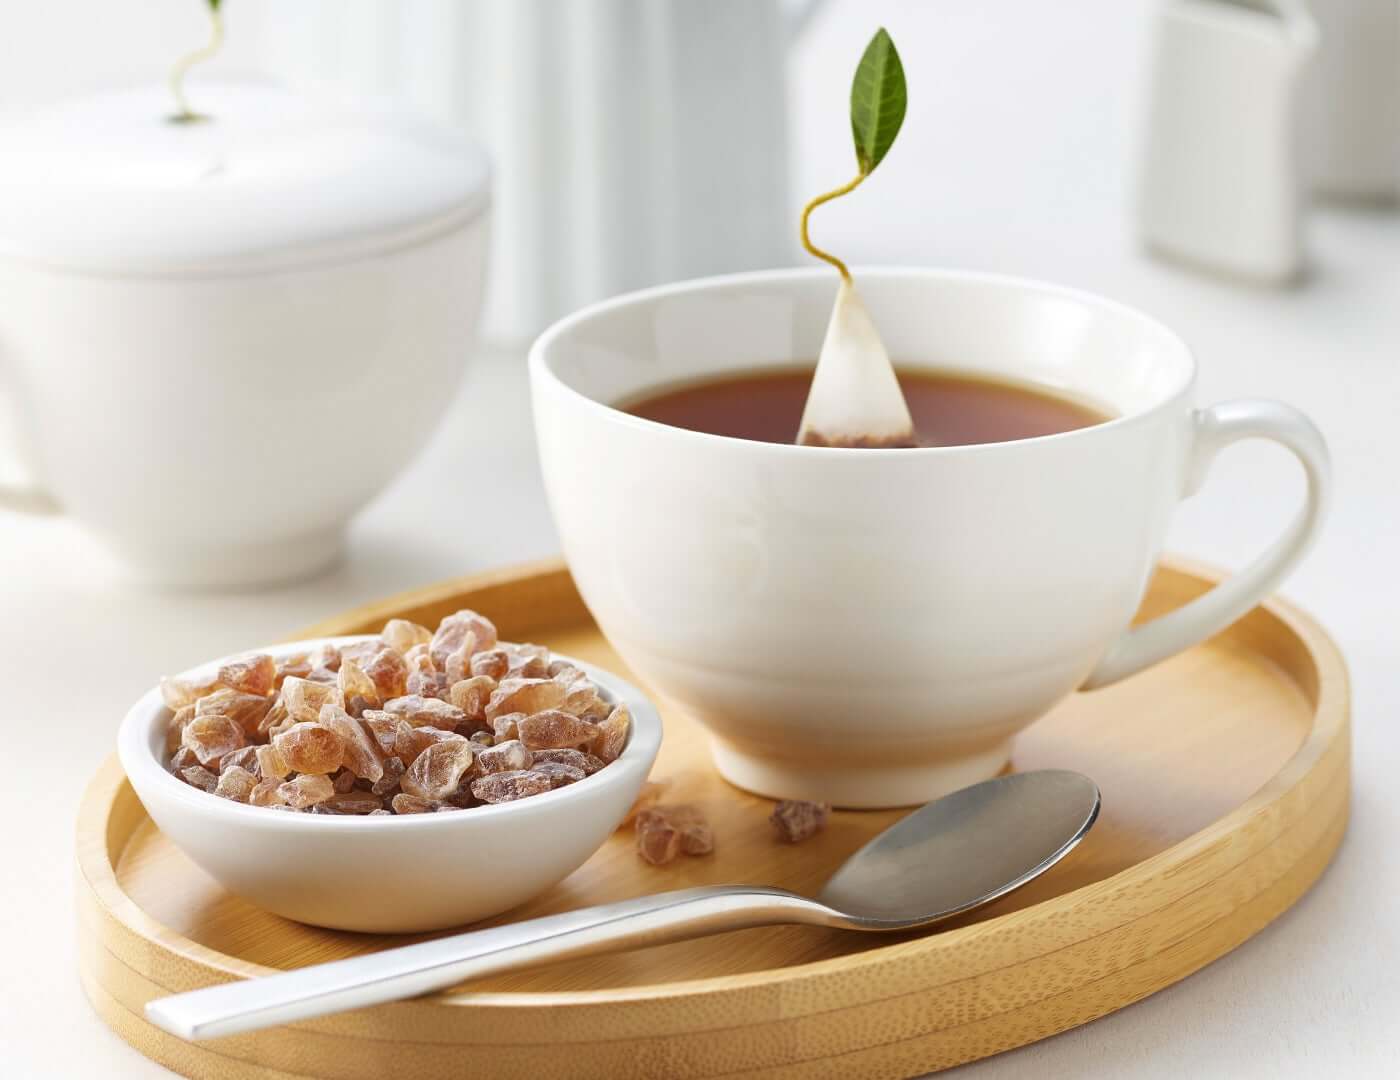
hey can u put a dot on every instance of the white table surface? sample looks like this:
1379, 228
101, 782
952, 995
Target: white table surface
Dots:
1015, 157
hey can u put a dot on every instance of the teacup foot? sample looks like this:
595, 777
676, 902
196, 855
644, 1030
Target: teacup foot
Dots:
866, 787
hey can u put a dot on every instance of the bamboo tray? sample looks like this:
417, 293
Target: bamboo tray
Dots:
1225, 793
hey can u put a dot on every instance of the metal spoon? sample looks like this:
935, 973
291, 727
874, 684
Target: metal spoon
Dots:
948, 857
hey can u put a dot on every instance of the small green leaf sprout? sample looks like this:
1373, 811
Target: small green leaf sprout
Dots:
878, 101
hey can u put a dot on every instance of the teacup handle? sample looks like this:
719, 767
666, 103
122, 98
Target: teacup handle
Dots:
1214, 429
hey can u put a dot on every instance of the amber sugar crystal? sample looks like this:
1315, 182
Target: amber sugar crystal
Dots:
795, 820
414, 721
665, 831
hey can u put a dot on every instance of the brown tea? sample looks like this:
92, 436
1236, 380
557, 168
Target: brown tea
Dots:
949, 409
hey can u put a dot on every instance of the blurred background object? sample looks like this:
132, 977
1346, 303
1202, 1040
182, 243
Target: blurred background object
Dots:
1219, 180
633, 142
201, 319
1351, 129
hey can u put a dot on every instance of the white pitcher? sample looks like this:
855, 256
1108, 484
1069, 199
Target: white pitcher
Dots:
1351, 113
1220, 184
634, 143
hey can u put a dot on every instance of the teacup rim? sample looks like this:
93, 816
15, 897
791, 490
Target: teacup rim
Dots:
540, 369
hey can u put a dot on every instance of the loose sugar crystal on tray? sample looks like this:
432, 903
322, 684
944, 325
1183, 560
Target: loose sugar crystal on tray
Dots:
665, 831
795, 820
414, 721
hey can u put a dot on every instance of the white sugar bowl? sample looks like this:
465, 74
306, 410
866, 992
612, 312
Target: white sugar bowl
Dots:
223, 338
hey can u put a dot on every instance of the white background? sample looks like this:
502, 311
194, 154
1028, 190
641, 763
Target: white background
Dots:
1016, 156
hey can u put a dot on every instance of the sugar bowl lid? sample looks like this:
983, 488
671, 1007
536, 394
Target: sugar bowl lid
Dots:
270, 180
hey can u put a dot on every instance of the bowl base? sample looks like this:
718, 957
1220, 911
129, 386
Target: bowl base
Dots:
253, 565
867, 788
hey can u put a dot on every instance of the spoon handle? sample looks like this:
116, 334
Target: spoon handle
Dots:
394, 974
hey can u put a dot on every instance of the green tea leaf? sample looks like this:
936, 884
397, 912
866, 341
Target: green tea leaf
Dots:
878, 101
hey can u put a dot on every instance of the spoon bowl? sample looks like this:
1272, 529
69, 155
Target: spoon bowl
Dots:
901, 879
942, 860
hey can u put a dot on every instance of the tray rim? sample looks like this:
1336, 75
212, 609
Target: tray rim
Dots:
1328, 733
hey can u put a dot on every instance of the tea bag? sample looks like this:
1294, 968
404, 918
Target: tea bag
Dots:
855, 399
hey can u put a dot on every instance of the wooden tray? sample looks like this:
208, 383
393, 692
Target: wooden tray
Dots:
1225, 792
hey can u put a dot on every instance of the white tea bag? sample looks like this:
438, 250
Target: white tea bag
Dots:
855, 398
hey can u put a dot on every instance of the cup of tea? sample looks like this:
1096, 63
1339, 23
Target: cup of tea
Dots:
871, 627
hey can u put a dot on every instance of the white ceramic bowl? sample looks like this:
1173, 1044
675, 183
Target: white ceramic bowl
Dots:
390, 874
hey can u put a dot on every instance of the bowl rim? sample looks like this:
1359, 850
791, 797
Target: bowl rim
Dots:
141, 761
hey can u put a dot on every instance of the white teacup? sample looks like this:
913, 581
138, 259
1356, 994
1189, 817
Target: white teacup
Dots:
871, 627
